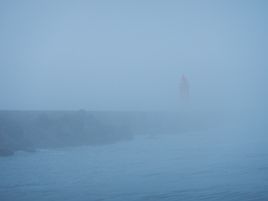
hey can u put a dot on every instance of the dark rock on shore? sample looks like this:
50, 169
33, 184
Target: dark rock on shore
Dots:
30, 130
27, 131
6, 152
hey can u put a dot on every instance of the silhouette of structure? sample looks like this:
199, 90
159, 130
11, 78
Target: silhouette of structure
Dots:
184, 90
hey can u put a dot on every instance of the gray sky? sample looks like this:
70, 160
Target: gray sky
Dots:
129, 55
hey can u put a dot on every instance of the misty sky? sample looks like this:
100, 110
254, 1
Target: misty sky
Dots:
129, 55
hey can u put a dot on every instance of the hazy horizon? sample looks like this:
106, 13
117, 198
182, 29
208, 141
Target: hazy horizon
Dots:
185, 81
70, 55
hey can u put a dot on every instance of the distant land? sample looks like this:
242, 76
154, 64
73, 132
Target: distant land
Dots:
33, 130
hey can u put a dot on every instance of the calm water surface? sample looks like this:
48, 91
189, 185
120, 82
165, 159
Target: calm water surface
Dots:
209, 165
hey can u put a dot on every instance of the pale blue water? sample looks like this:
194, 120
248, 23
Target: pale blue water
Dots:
211, 165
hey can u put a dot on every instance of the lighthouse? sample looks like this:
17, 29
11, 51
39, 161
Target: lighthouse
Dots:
184, 90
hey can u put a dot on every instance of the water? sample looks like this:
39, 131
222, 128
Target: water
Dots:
208, 165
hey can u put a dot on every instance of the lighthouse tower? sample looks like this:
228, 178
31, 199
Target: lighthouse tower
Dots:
184, 90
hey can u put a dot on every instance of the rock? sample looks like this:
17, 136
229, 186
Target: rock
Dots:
6, 152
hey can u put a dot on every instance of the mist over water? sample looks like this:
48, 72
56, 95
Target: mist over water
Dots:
133, 100
131, 55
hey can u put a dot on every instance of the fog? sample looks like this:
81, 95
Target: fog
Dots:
133, 100
130, 55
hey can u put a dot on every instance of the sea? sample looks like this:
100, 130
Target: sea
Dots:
214, 165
